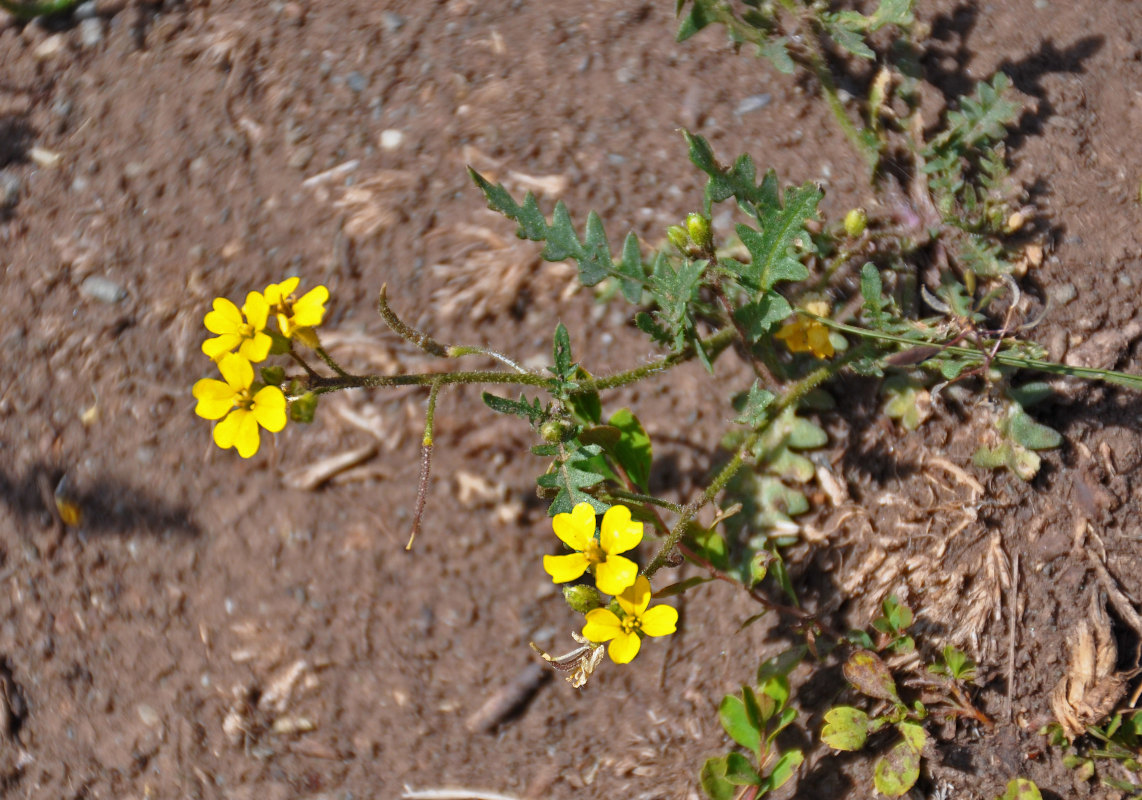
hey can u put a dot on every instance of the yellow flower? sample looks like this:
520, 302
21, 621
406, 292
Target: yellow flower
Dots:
240, 412
613, 573
244, 329
804, 335
294, 313
623, 633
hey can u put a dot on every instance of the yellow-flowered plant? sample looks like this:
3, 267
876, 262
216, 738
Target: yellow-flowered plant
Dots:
240, 410
618, 533
243, 329
624, 631
805, 335
297, 316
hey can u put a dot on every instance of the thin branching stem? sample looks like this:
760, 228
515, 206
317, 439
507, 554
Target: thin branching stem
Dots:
425, 462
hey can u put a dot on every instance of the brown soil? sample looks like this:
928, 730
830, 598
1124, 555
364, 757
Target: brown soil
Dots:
150, 651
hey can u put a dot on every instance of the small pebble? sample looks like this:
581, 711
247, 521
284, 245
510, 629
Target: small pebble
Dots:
391, 139
42, 157
755, 102
392, 21
50, 47
148, 715
91, 32
1063, 293
86, 10
356, 82
102, 289
10, 186
301, 157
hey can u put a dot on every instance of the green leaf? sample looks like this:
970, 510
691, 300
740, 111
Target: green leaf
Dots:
777, 688
562, 353
848, 33
783, 770
892, 12
846, 728
899, 769
776, 51
1031, 434
633, 451
631, 272
735, 720
681, 586
714, 782
520, 408
697, 19
1030, 394
752, 406
570, 475
1021, 789
595, 262
761, 317
871, 676
739, 771
781, 664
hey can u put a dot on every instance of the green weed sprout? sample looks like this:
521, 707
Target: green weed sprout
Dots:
29, 10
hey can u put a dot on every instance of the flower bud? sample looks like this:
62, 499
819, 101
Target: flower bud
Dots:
678, 237
303, 408
308, 337
855, 222
273, 376
699, 229
552, 431
582, 598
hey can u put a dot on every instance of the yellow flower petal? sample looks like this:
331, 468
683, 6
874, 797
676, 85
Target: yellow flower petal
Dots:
269, 408
577, 528
616, 575
255, 349
619, 533
276, 292
624, 647
220, 345
225, 318
256, 310
246, 438
215, 398
309, 309
602, 625
659, 621
226, 430
635, 599
237, 371
565, 568
818, 341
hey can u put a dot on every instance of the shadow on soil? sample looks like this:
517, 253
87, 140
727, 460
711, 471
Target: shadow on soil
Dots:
109, 506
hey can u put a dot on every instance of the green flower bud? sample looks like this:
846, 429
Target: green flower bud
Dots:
855, 222
552, 431
582, 598
303, 408
273, 376
678, 237
699, 230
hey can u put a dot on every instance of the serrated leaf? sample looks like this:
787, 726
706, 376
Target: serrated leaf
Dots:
519, 408
761, 317
1031, 434
633, 451
735, 721
846, 728
739, 771
898, 770
570, 476
843, 30
1021, 789
631, 273
714, 782
561, 352
752, 405
595, 262
871, 676
776, 51
892, 12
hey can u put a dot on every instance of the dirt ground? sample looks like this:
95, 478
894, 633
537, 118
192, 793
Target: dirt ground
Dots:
211, 631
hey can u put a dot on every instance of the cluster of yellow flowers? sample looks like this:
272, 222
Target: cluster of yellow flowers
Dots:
614, 575
240, 405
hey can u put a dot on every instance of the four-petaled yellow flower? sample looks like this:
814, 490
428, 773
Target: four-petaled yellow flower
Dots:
239, 412
243, 329
613, 573
295, 314
623, 633
804, 335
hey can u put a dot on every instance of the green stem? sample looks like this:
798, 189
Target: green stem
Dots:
425, 463
1007, 359
644, 499
457, 351
329, 362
